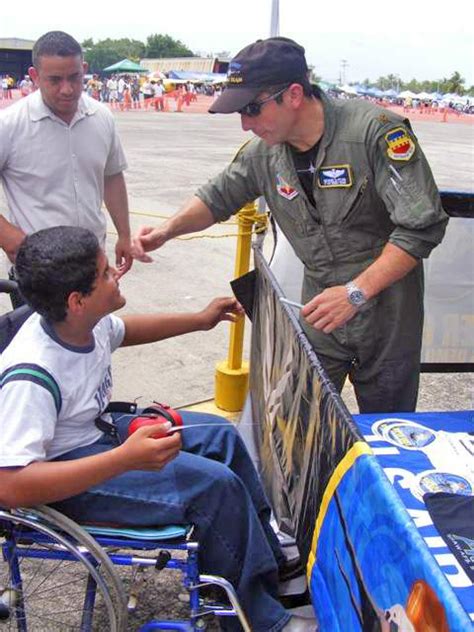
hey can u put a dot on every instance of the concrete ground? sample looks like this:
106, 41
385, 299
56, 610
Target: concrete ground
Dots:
169, 155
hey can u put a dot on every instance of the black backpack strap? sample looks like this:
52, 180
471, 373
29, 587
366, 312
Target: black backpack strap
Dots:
121, 407
108, 427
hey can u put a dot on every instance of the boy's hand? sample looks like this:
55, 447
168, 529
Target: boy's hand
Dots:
143, 452
225, 308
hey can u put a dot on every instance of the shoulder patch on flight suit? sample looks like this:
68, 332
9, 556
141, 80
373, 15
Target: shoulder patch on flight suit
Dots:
335, 176
285, 189
400, 145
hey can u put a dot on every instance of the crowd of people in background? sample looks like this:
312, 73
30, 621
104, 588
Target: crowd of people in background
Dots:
126, 92
412, 103
134, 91
8, 83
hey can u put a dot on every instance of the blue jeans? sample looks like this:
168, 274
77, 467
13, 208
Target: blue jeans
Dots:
212, 484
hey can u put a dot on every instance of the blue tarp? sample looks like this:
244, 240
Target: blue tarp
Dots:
390, 93
374, 92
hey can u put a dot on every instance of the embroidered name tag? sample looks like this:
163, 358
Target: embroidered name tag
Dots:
400, 145
285, 190
335, 176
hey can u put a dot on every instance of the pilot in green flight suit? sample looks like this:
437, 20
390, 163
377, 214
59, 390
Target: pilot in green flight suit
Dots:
349, 186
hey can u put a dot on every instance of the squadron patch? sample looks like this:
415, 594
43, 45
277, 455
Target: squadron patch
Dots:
400, 145
285, 190
335, 176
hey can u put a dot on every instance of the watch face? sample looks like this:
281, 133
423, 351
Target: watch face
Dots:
356, 297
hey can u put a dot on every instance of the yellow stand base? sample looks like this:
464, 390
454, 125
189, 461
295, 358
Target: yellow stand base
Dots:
231, 386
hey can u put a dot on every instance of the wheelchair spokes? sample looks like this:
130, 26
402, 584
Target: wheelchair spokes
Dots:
42, 586
55, 576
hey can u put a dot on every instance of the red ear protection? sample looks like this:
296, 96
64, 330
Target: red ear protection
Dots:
153, 415
165, 411
139, 422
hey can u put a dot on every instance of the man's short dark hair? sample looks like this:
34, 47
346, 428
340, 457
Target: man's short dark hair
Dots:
308, 89
55, 43
54, 262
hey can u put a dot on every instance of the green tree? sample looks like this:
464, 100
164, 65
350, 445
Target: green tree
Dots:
455, 83
109, 51
165, 46
413, 85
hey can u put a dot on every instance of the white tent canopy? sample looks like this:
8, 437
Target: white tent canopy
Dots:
407, 94
348, 89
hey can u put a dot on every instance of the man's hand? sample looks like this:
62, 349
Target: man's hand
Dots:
329, 310
142, 452
193, 217
148, 238
220, 309
10, 239
123, 255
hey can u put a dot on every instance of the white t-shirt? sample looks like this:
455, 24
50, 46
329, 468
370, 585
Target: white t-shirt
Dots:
53, 173
51, 393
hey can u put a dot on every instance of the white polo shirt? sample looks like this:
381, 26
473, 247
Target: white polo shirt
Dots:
53, 173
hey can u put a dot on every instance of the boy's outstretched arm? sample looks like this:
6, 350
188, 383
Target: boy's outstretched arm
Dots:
143, 328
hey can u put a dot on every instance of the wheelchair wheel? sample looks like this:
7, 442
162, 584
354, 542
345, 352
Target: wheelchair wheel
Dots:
54, 577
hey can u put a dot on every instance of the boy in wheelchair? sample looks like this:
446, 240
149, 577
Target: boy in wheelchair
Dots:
56, 379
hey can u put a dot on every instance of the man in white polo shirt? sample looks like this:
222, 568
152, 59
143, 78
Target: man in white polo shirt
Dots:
60, 155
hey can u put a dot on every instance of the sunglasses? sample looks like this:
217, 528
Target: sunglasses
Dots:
255, 107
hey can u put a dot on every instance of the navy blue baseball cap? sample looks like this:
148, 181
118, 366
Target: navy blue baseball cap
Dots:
269, 62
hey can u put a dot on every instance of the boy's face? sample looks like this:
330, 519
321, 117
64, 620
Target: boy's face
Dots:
105, 298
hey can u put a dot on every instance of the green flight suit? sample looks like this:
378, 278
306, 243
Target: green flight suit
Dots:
372, 185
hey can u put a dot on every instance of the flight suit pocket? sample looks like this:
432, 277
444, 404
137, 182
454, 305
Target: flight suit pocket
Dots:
355, 200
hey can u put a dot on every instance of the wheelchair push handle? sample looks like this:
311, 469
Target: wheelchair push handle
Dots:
7, 286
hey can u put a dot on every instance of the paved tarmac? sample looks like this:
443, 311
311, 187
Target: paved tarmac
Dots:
170, 155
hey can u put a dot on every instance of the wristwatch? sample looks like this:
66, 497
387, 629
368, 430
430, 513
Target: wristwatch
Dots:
355, 295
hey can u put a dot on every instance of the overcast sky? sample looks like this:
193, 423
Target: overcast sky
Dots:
422, 39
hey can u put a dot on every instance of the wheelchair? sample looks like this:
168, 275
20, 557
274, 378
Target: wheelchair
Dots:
57, 575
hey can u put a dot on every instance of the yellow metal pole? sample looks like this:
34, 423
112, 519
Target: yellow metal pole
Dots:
231, 382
